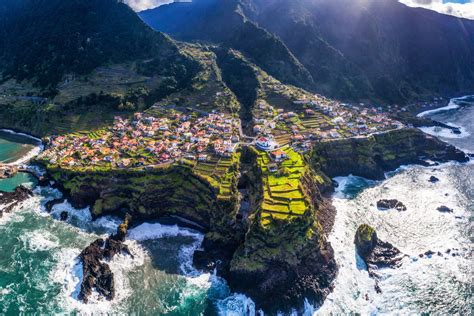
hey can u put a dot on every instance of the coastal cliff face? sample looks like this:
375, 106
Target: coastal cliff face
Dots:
150, 195
278, 265
288, 260
373, 156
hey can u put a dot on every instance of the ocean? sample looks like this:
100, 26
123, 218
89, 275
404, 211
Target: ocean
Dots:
39, 272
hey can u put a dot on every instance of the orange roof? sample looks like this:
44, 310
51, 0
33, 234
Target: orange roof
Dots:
279, 152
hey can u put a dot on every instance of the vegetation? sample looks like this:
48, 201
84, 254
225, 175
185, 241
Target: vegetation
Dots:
82, 36
283, 195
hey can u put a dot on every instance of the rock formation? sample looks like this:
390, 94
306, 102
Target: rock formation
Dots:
9, 200
391, 204
444, 209
96, 272
375, 253
7, 171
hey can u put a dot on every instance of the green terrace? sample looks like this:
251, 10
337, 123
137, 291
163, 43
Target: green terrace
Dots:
220, 172
283, 195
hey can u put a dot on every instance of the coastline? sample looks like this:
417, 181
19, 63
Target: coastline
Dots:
450, 106
35, 151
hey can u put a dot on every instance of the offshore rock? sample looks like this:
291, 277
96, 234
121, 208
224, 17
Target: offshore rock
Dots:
391, 204
64, 215
9, 200
375, 253
444, 209
96, 272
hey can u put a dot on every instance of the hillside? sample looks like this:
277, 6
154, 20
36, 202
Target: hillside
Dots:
82, 36
72, 65
352, 49
223, 22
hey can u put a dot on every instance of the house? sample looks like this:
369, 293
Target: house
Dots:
257, 129
266, 144
202, 157
278, 155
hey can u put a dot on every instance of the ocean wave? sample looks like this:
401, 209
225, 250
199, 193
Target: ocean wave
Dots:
445, 132
39, 240
415, 231
149, 231
68, 274
237, 305
451, 106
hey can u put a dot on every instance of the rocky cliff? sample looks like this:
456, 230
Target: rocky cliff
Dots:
372, 157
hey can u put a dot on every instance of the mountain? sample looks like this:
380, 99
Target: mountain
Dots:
221, 21
44, 40
352, 49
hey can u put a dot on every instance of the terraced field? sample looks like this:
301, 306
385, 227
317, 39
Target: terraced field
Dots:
219, 173
283, 196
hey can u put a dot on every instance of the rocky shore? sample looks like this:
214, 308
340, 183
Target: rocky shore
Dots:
7, 171
374, 156
375, 252
9, 200
97, 275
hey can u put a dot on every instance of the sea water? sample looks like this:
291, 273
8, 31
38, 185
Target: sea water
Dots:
40, 273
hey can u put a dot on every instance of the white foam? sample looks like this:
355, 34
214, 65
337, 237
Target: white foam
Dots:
444, 132
39, 240
414, 231
149, 231
68, 273
451, 106
237, 305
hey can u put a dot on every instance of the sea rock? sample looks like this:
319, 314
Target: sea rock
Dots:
433, 179
444, 209
391, 204
11, 199
50, 204
97, 275
375, 253
64, 215
7, 171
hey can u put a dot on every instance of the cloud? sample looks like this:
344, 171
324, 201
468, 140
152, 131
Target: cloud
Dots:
140, 5
464, 10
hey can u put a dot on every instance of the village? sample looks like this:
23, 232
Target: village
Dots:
319, 119
147, 140
164, 135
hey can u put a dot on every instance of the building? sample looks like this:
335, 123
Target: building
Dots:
278, 155
266, 144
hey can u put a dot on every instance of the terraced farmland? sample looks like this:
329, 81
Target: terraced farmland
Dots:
283, 196
218, 171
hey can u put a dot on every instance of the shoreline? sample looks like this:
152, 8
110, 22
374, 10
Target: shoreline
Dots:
450, 106
35, 151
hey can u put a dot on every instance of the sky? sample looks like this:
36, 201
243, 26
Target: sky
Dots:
460, 8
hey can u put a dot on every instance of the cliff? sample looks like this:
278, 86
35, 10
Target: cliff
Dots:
277, 257
372, 157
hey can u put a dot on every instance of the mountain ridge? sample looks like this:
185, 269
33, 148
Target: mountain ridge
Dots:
353, 50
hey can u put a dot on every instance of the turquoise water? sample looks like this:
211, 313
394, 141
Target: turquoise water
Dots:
13, 146
9, 185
